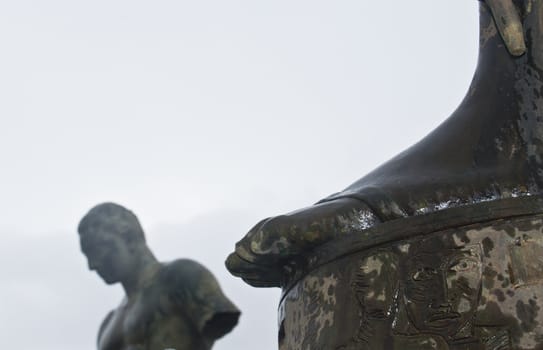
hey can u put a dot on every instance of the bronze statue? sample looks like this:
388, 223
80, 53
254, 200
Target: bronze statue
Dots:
176, 305
440, 247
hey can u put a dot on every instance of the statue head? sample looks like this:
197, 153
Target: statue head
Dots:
110, 237
441, 287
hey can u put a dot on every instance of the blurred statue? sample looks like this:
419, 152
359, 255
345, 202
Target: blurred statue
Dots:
176, 305
440, 247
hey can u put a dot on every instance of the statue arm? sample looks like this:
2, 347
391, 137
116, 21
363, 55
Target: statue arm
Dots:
195, 293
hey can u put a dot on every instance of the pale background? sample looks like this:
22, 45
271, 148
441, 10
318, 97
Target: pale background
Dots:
202, 117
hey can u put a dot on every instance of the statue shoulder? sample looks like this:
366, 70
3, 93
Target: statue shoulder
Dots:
186, 279
195, 292
184, 272
184, 264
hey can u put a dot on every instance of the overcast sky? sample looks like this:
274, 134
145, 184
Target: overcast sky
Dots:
203, 117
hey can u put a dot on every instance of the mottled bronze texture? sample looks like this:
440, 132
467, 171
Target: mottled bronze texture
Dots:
177, 305
474, 287
439, 248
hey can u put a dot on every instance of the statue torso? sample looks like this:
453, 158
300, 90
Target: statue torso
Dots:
150, 320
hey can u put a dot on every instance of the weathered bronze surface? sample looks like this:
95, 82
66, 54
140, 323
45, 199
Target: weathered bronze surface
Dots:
474, 287
442, 246
176, 305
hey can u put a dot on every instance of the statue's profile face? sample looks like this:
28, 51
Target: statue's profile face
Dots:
107, 254
442, 289
376, 284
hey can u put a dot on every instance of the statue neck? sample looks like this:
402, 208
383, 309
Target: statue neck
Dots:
144, 268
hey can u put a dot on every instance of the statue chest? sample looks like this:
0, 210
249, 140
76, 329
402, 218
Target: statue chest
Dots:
147, 322
126, 326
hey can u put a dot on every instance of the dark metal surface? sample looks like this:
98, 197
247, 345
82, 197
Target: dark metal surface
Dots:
440, 247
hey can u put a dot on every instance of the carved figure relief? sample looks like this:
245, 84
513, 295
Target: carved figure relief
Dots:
376, 287
423, 295
439, 291
455, 289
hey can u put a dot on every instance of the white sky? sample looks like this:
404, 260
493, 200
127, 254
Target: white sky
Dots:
202, 117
